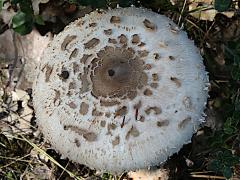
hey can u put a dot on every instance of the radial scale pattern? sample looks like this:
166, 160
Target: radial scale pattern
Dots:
120, 90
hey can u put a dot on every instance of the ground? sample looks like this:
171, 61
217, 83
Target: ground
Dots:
215, 28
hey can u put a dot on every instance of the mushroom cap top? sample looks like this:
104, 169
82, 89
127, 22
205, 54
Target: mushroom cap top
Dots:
120, 90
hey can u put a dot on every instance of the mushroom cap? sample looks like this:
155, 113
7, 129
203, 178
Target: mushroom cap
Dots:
120, 90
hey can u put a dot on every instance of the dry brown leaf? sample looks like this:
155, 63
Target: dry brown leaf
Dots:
149, 174
206, 11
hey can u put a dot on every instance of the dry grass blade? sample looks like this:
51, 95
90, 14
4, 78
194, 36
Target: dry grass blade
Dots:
39, 150
206, 176
14, 160
180, 17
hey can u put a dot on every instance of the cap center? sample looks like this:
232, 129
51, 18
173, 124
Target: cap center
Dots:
117, 75
118, 72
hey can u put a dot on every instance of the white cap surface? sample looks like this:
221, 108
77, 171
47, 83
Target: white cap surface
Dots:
120, 90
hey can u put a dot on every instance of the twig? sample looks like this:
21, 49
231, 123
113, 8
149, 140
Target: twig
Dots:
18, 159
180, 17
22, 68
206, 176
9, 83
39, 150
121, 176
201, 172
123, 122
195, 25
64, 170
15, 160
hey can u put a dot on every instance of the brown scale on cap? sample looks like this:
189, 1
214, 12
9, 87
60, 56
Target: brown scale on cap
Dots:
116, 141
48, 72
143, 53
184, 122
130, 51
121, 112
176, 81
141, 44
131, 94
132, 132
138, 105
92, 24
119, 75
84, 108
149, 25
155, 109
109, 103
135, 39
77, 142
162, 123
163, 45
111, 127
156, 56
187, 102
123, 39
95, 63
113, 41
74, 53
96, 113
103, 123
56, 97
85, 58
70, 93
91, 43
154, 85
72, 85
87, 135
90, 136
76, 67
84, 80
108, 114
155, 77
108, 32
127, 29
147, 92
68, 39
142, 118
115, 19
80, 23
72, 105
107, 50
147, 66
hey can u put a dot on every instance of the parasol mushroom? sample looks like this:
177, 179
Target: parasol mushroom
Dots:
120, 90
